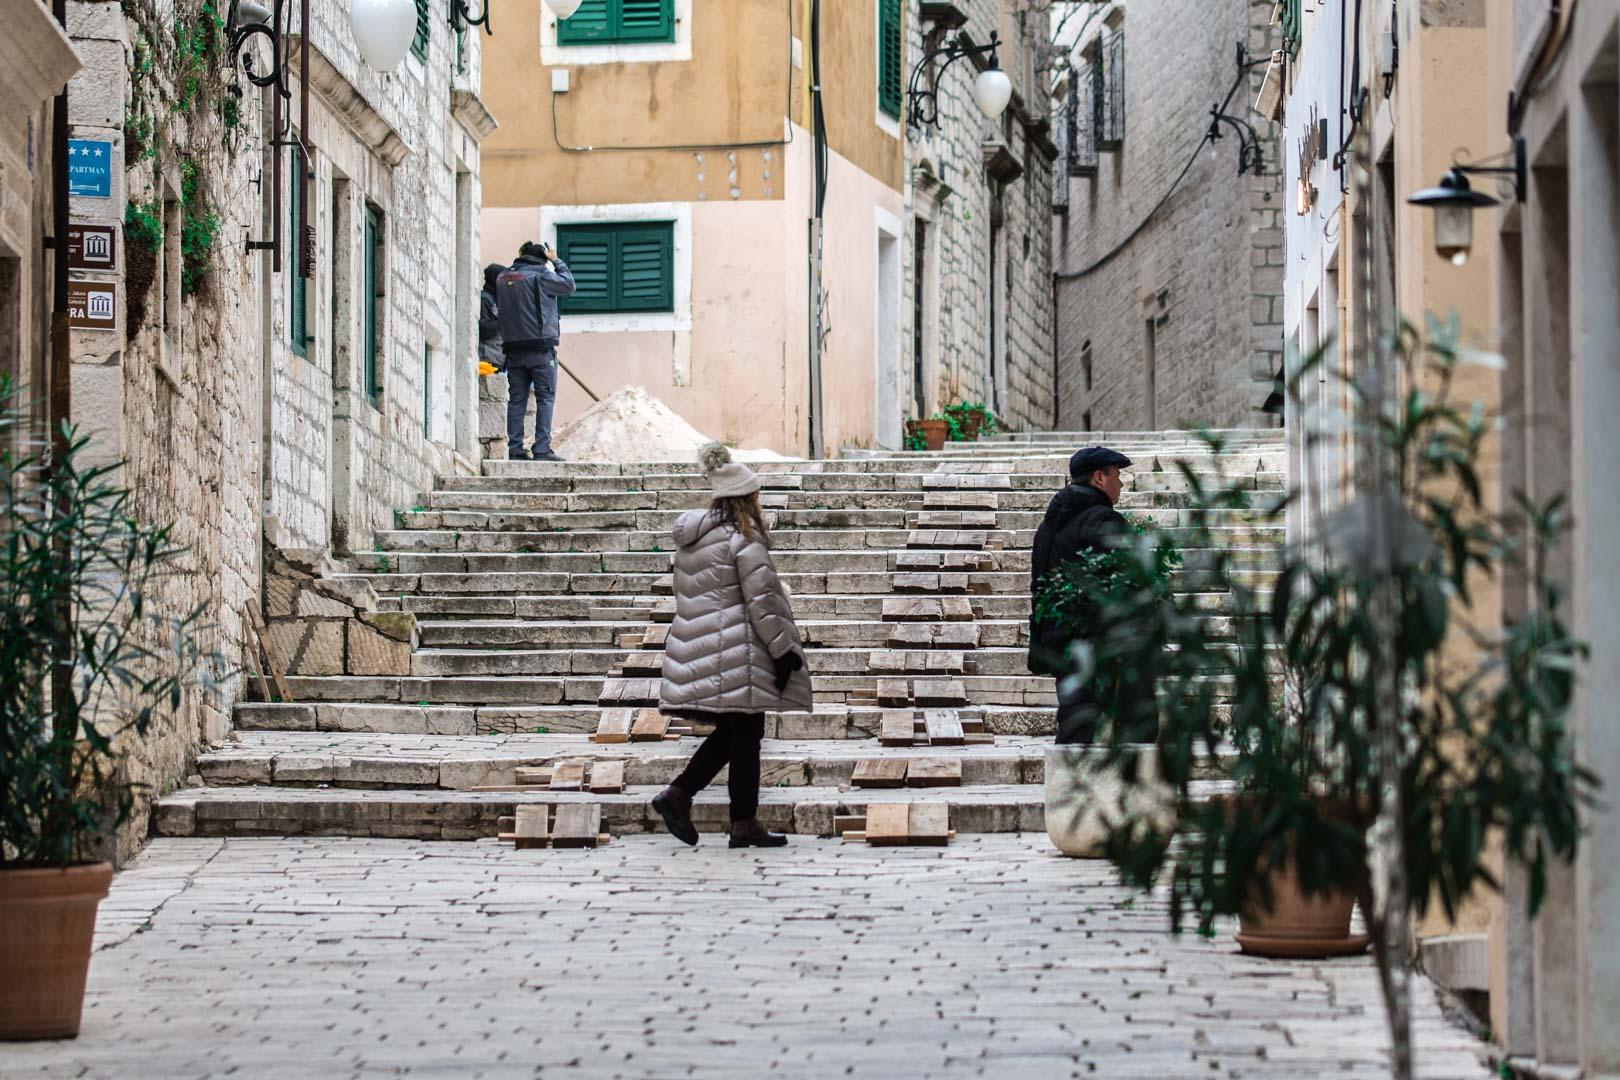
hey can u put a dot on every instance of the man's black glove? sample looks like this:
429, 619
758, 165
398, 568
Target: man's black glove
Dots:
786, 665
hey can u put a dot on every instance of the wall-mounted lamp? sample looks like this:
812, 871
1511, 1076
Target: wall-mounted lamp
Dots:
1455, 200
992, 90
383, 31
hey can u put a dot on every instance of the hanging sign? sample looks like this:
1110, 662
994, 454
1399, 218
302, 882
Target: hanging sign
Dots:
92, 247
90, 165
92, 305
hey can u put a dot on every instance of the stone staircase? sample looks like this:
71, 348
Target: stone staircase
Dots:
540, 589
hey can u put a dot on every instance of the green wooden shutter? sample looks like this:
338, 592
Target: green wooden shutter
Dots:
644, 263
588, 251
646, 20
427, 391
369, 299
592, 24
420, 43
890, 57
1292, 26
606, 22
297, 319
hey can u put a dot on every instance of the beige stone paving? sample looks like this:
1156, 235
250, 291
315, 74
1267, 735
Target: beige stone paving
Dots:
993, 957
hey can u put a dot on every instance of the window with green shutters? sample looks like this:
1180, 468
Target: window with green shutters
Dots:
1290, 18
420, 42
624, 267
616, 22
298, 316
371, 300
891, 57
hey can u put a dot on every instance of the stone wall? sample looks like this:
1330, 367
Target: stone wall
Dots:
1207, 270
955, 201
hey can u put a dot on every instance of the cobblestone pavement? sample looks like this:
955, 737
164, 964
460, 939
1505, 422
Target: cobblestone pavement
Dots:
993, 957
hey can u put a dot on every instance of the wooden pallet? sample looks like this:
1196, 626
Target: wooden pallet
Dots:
575, 825
898, 825
605, 777
935, 727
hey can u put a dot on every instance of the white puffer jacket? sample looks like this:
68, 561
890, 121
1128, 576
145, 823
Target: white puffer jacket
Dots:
732, 618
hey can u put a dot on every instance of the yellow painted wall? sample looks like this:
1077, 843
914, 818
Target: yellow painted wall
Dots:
733, 90
849, 87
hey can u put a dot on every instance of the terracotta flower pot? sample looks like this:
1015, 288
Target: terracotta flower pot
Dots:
933, 432
971, 422
47, 921
1298, 925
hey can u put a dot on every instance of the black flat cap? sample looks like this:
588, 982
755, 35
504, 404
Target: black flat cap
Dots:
1088, 460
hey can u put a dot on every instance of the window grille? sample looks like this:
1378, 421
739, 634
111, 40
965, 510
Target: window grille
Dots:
1108, 90
1082, 125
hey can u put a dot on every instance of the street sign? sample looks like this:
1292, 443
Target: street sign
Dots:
92, 305
90, 165
92, 247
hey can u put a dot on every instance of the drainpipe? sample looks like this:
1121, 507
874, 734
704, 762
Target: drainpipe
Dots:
819, 164
64, 714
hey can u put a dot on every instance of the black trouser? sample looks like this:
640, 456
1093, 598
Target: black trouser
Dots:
1132, 706
735, 742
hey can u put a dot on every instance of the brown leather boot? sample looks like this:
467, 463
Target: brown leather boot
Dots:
751, 833
675, 807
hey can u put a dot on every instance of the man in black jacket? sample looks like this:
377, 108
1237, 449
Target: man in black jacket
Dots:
1080, 518
531, 327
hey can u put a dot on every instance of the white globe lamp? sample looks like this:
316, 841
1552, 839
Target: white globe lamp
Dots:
991, 91
383, 31
563, 8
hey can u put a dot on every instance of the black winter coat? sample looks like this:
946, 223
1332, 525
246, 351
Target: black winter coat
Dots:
1078, 519
489, 330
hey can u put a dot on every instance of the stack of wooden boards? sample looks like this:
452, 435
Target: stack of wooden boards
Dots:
576, 825
632, 725
898, 825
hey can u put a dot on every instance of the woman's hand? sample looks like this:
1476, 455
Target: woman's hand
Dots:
786, 665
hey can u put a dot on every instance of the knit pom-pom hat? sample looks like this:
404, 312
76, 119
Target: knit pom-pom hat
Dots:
731, 479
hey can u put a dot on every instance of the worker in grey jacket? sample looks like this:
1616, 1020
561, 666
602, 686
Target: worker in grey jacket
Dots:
733, 652
527, 296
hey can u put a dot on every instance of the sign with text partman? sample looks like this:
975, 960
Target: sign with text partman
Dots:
90, 165
92, 305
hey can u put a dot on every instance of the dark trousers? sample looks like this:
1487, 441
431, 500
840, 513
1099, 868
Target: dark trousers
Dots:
526, 371
734, 742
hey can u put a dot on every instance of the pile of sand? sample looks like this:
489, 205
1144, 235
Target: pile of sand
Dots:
632, 425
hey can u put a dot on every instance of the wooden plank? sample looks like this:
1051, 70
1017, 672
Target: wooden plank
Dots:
938, 519
614, 726
979, 738
607, 777
880, 773
956, 609
844, 823
946, 693
898, 729
886, 661
944, 728
529, 826
910, 609
655, 637
650, 726
915, 635
940, 663
893, 692
916, 582
568, 776
578, 825
928, 823
641, 691
979, 519
934, 772
276, 666
640, 663
529, 776
612, 692
971, 725
886, 824
964, 635
663, 611
953, 583
919, 560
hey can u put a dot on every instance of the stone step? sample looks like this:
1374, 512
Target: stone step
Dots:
638, 607
461, 763
619, 586
436, 662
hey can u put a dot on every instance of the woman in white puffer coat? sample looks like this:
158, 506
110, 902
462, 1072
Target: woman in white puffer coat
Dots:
733, 652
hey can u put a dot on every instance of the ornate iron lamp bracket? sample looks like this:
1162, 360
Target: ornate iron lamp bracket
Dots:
923, 107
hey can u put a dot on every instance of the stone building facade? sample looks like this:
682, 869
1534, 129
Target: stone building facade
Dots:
977, 312
245, 441
1169, 286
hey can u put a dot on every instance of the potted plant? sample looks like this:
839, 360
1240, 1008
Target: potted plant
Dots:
84, 662
969, 420
1089, 791
930, 432
1414, 735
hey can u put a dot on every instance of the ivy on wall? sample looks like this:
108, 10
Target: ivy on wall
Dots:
185, 107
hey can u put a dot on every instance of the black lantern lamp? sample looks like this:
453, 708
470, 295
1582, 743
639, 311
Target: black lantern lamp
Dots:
1455, 200
992, 90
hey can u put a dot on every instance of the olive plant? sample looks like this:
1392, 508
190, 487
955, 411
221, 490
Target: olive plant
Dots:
77, 579
1380, 728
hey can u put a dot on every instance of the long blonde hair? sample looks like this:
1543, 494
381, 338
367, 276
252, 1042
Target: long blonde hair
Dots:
743, 513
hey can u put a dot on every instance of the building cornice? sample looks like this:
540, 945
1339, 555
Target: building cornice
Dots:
345, 99
467, 107
37, 54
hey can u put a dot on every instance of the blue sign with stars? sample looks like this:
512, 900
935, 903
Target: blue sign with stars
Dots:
90, 168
